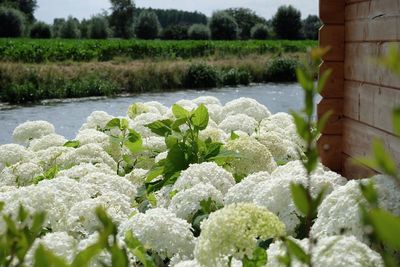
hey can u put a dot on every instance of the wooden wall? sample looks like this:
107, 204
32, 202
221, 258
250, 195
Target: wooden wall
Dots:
360, 92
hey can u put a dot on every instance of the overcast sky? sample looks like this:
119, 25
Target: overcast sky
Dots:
50, 9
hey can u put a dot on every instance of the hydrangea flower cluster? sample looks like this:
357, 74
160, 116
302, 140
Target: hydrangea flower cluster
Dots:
251, 190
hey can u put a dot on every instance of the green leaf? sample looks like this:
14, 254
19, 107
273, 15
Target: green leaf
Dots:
84, 257
387, 227
118, 257
323, 79
259, 258
383, 160
369, 193
179, 112
171, 140
45, 258
300, 198
136, 247
396, 121
297, 251
73, 144
301, 125
114, 123
175, 161
2, 204
161, 127
200, 117
152, 199
323, 120
305, 81
234, 136
154, 173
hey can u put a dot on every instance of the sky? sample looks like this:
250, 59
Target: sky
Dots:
50, 9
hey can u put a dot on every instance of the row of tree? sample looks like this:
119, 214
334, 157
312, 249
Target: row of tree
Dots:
127, 21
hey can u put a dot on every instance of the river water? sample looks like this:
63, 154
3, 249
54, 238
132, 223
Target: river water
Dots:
68, 116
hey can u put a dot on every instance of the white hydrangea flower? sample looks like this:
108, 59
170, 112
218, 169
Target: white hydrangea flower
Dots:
238, 122
247, 106
207, 173
243, 191
139, 108
207, 100
187, 202
155, 143
30, 130
103, 257
255, 157
51, 156
101, 184
339, 212
98, 119
187, 104
82, 219
334, 251
137, 176
92, 136
217, 135
233, 231
50, 140
90, 153
282, 149
278, 122
161, 156
162, 231
79, 171
194, 263
11, 154
163, 196
59, 243
20, 174
138, 124
215, 112
161, 108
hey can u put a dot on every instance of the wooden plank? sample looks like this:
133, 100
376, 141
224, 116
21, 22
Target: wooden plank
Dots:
371, 104
334, 86
330, 151
372, 9
331, 11
360, 64
332, 36
353, 170
358, 137
383, 28
335, 105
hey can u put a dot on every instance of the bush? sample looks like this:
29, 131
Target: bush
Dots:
201, 76
260, 32
70, 30
11, 22
148, 26
223, 27
199, 32
246, 19
311, 27
287, 23
175, 32
40, 30
98, 28
234, 77
281, 70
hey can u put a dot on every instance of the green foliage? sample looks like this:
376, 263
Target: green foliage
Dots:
175, 32
287, 23
12, 22
27, 7
98, 28
281, 70
147, 26
185, 147
260, 32
201, 76
206, 208
246, 20
199, 32
121, 18
37, 51
311, 27
234, 77
223, 27
70, 29
259, 258
40, 30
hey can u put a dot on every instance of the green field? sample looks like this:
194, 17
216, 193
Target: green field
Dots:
57, 50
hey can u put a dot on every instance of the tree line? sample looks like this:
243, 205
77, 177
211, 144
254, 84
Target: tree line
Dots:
127, 21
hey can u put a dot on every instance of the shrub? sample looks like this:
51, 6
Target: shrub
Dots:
246, 19
175, 32
311, 27
201, 76
287, 23
70, 30
281, 70
11, 22
234, 77
98, 28
40, 30
199, 32
148, 26
260, 32
223, 27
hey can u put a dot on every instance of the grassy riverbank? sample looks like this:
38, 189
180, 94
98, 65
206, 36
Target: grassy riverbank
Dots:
22, 82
